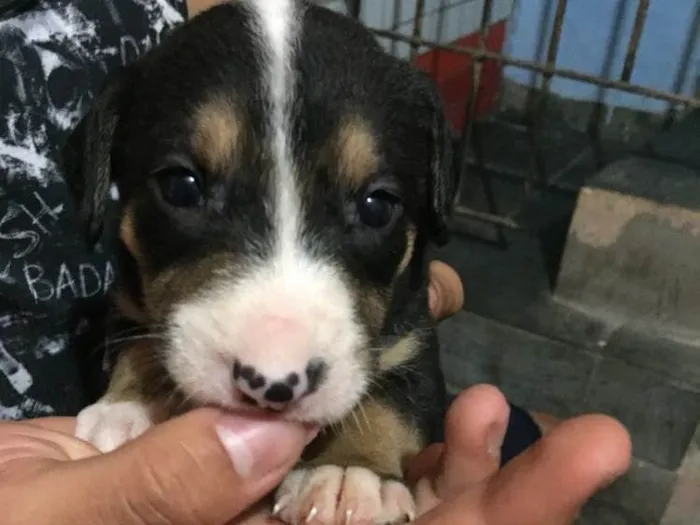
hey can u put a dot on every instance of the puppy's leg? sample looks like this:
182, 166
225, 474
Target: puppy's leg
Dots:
357, 475
133, 401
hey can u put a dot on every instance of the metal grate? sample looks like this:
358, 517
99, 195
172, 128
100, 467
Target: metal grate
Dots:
543, 72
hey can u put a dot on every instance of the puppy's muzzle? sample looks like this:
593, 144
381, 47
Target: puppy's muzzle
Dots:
283, 337
277, 383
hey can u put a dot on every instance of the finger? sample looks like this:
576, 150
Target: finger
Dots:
547, 484
75, 447
474, 429
65, 425
425, 463
445, 292
203, 467
550, 482
24, 441
195, 7
545, 422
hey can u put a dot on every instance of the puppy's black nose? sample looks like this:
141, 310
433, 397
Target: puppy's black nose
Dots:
277, 394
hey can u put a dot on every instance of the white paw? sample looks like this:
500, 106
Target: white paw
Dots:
109, 425
332, 495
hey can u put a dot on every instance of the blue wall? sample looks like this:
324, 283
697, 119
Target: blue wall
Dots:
588, 27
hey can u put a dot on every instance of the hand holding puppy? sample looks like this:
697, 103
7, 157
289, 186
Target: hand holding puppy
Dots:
201, 468
460, 481
182, 472
206, 468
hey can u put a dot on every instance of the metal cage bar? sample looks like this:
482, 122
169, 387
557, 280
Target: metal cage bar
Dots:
544, 70
595, 122
640, 19
469, 138
417, 27
539, 105
684, 63
571, 74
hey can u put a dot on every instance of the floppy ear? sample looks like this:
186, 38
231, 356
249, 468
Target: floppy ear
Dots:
443, 177
87, 159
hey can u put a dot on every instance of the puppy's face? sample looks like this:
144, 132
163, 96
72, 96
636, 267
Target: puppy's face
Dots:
277, 171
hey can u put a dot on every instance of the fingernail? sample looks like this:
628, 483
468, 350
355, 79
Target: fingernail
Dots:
258, 447
494, 440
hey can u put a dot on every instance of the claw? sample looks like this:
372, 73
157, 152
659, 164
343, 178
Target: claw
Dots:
411, 516
348, 516
312, 514
280, 504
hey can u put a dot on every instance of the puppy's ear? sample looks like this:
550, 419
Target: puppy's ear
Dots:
443, 177
87, 159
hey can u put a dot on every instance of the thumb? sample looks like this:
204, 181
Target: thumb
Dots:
203, 467
474, 429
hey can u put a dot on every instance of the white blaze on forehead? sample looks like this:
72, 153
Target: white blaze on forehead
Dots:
228, 320
277, 29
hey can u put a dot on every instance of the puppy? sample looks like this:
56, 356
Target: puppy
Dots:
280, 177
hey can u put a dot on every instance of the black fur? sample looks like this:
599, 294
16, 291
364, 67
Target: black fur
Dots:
139, 124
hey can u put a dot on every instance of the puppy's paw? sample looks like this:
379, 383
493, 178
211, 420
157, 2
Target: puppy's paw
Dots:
109, 425
332, 495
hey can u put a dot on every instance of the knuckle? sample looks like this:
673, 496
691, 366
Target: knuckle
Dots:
166, 489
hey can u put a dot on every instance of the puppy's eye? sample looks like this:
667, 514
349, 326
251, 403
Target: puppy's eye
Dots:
179, 187
378, 209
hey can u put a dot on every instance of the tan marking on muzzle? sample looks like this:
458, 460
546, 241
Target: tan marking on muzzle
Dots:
218, 134
399, 353
375, 436
125, 304
128, 307
139, 375
180, 283
373, 306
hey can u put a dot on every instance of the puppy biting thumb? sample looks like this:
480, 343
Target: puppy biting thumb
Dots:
203, 467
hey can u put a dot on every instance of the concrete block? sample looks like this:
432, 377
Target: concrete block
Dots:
684, 506
680, 362
660, 416
633, 248
513, 286
532, 371
681, 142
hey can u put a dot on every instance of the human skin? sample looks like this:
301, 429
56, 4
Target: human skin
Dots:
178, 473
194, 7
460, 482
209, 467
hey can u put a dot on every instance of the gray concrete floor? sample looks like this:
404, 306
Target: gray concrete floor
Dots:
550, 358
520, 347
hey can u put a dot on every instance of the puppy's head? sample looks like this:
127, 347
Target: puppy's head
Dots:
277, 173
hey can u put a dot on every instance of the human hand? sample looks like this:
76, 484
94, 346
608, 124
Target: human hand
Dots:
179, 473
203, 467
445, 291
460, 482
176, 473
194, 7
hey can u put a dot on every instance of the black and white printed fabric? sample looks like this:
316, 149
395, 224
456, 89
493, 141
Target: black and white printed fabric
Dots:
53, 58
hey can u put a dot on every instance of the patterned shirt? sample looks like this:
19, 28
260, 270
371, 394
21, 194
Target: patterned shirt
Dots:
53, 59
